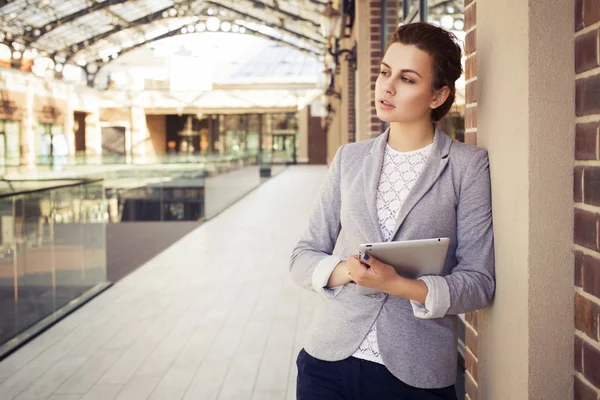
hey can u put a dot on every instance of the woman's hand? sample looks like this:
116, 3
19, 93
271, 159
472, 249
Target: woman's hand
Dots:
339, 276
372, 273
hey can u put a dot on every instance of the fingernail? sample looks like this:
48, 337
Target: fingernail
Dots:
366, 257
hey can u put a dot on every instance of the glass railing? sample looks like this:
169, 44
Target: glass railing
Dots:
52, 251
180, 192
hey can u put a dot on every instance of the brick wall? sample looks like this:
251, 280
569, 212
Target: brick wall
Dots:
471, 325
383, 22
587, 201
351, 105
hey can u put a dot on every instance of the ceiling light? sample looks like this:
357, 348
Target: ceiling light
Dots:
235, 28
226, 26
17, 55
459, 24
200, 27
447, 22
213, 24
242, 29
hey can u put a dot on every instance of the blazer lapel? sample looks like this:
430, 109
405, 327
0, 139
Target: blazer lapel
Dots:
371, 170
433, 168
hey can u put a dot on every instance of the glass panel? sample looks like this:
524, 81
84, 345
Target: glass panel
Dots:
43, 143
12, 133
8, 322
52, 250
34, 258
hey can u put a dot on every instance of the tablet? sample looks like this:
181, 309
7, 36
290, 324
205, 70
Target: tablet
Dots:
410, 258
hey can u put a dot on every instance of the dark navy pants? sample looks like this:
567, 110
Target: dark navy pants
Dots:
356, 379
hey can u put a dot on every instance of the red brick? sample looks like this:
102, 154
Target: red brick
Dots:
471, 365
591, 12
471, 67
375, 120
375, 29
586, 51
577, 185
586, 316
471, 340
471, 42
591, 275
578, 262
591, 364
587, 95
375, 12
473, 319
376, 55
471, 92
586, 144
578, 344
471, 388
470, 17
582, 391
591, 186
471, 138
471, 117
585, 228
578, 15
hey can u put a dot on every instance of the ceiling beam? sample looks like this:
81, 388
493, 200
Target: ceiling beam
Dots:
70, 53
177, 32
256, 19
72, 17
295, 17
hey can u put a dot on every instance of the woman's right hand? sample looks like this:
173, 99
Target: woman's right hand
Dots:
341, 273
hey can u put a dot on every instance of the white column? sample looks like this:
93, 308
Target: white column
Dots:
527, 121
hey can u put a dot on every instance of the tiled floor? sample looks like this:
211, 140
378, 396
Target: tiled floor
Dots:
214, 316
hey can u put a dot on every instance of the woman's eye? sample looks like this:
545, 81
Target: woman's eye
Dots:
384, 73
405, 79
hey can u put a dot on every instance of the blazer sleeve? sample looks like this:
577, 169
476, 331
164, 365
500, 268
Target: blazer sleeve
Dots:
472, 282
318, 240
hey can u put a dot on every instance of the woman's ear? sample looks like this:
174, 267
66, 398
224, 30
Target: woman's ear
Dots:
439, 97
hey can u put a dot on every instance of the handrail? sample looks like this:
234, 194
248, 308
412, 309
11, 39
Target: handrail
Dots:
78, 182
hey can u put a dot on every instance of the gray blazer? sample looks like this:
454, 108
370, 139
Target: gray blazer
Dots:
451, 198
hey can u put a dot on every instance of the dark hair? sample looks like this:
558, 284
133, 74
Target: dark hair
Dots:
445, 51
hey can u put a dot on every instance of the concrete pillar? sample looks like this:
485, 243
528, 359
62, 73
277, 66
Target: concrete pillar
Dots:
526, 121
28, 129
303, 116
93, 133
363, 76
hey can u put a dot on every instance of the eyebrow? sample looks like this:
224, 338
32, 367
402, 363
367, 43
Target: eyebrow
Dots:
404, 70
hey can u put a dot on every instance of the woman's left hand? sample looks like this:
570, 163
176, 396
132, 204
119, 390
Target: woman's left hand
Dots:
378, 275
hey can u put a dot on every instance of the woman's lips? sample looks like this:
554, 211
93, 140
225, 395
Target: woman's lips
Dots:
386, 105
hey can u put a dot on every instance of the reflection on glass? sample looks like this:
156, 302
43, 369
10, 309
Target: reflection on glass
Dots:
52, 250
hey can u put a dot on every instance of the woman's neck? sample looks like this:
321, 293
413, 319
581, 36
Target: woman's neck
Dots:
409, 137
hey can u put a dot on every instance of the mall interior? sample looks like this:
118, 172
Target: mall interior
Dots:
159, 160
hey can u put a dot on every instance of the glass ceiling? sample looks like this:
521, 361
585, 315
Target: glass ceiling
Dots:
84, 31
93, 33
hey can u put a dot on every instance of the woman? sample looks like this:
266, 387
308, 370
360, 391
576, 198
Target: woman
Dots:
411, 182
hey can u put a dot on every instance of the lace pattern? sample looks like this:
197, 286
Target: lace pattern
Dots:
399, 173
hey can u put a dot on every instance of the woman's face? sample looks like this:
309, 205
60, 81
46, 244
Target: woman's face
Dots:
404, 88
